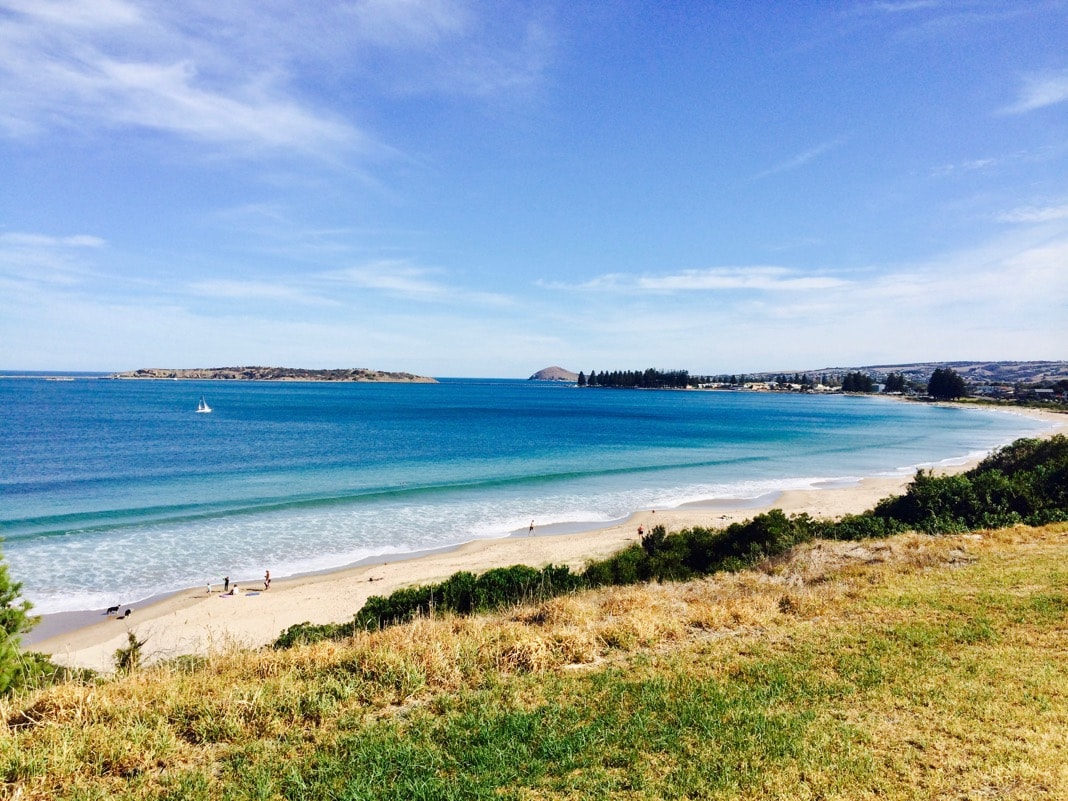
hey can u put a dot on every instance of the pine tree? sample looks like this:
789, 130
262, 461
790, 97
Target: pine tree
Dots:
15, 620
946, 383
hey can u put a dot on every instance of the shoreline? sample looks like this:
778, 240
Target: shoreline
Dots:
192, 621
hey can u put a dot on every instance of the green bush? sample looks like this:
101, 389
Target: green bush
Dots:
306, 633
1025, 482
462, 593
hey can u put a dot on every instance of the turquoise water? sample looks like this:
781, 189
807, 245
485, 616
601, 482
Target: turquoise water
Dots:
118, 490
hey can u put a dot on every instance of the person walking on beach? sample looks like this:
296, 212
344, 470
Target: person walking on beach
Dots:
530, 531
226, 584
267, 580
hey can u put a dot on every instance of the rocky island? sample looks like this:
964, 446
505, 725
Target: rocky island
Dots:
554, 374
275, 374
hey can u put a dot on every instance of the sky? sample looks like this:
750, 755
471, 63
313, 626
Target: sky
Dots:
469, 188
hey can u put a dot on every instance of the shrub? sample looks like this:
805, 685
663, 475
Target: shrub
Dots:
128, 658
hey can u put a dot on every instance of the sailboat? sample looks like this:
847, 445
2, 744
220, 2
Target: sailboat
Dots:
202, 407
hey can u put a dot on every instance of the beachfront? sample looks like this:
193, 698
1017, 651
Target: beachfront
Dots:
196, 622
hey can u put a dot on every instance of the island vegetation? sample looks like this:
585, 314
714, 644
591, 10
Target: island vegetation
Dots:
273, 374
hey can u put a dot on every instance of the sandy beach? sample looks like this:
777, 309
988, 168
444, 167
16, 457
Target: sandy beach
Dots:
195, 621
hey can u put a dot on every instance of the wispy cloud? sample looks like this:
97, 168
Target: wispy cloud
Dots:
756, 279
42, 258
800, 160
1040, 91
906, 6
252, 77
396, 277
1035, 214
411, 282
402, 23
969, 166
113, 64
23, 240
255, 291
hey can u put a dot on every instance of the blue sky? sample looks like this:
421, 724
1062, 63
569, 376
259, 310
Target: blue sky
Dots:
464, 188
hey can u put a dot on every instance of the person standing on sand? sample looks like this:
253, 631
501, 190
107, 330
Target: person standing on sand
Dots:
530, 531
267, 580
226, 584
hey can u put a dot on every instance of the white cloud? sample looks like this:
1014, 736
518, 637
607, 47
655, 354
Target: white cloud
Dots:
800, 160
43, 258
907, 6
764, 279
120, 69
223, 289
24, 240
972, 165
404, 23
1040, 91
77, 13
756, 278
395, 277
1035, 214
253, 75
412, 283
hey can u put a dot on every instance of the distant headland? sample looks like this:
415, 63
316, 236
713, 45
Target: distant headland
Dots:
357, 374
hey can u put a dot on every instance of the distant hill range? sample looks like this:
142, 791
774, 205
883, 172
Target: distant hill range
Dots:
275, 374
973, 372
554, 374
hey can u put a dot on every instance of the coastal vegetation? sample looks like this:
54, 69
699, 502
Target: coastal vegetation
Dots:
650, 378
946, 384
15, 620
915, 650
857, 382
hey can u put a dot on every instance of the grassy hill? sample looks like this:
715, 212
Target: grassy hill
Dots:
909, 667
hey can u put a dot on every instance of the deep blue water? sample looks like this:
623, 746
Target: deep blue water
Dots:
118, 489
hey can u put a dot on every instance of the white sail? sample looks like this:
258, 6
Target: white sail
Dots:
202, 407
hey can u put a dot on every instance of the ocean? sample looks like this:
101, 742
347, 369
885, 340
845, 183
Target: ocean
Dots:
114, 491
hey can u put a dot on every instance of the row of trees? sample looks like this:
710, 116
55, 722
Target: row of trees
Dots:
944, 383
642, 379
851, 382
857, 382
